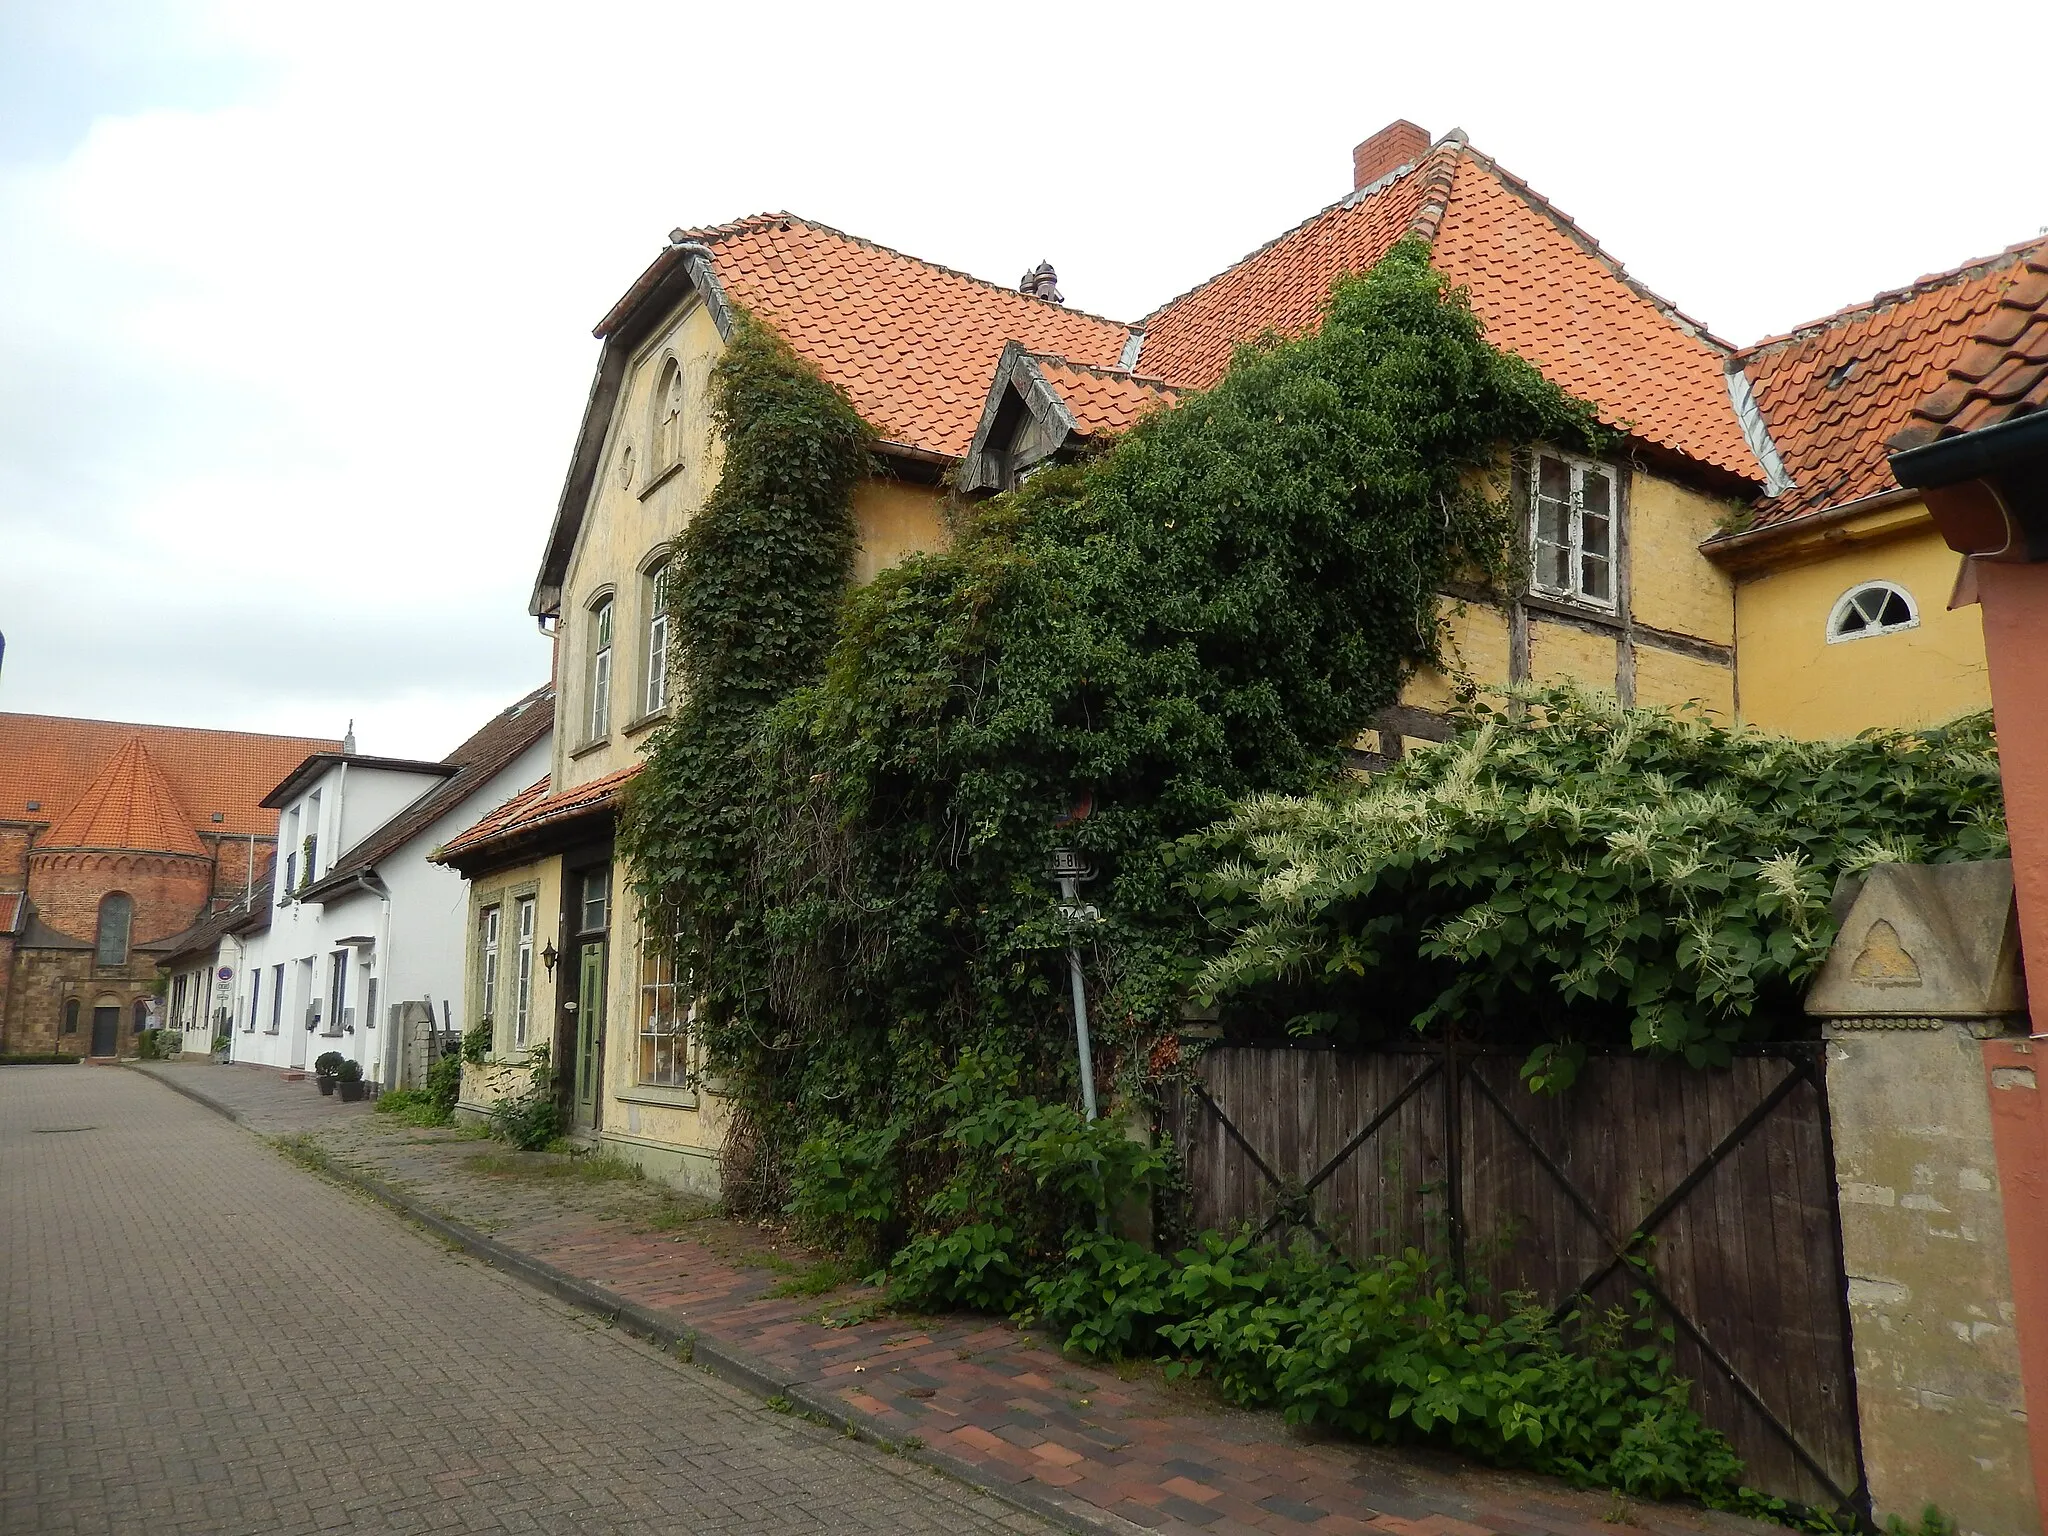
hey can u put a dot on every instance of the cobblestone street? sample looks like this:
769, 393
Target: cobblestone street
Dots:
201, 1336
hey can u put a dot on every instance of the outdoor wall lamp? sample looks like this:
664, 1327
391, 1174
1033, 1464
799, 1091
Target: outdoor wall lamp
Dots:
548, 957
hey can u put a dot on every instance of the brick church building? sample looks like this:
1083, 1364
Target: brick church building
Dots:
115, 839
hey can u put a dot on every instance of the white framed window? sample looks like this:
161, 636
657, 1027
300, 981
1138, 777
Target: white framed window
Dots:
487, 963
656, 660
1571, 529
665, 1035
601, 669
522, 973
668, 418
255, 1000
276, 999
1872, 608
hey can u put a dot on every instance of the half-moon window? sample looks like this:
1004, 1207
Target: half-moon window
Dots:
1875, 608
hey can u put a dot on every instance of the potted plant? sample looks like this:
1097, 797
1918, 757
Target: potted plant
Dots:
325, 1067
350, 1075
222, 1046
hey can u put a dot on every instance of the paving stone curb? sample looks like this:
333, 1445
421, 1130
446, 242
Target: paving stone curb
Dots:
725, 1361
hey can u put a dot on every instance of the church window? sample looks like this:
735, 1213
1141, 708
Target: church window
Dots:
1571, 530
601, 669
117, 918
1874, 608
71, 1016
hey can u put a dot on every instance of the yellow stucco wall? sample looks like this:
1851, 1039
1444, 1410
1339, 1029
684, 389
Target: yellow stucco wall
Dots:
1474, 638
1667, 678
505, 1075
1675, 587
895, 519
1564, 653
1790, 679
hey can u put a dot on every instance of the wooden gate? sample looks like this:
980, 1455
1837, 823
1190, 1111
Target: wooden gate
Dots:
1711, 1190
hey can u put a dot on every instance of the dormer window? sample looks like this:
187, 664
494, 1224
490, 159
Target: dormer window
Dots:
601, 669
1571, 530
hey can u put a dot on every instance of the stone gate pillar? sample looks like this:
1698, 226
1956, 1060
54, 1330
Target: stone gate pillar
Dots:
1923, 1007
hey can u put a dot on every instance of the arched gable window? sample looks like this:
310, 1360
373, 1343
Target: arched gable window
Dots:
1874, 608
668, 418
71, 1016
655, 695
117, 920
600, 668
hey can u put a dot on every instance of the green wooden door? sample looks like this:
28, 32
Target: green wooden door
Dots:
589, 1034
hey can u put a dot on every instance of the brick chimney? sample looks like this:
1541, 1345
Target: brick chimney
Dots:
1399, 143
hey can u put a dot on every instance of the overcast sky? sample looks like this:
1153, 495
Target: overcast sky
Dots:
295, 301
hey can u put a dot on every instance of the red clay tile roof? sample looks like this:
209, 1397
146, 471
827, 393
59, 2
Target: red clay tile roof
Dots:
1834, 391
488, 751
12, 905
1103, 401
51, 759
2003, 372
1544, 289
912, 344
128, 806
532, 808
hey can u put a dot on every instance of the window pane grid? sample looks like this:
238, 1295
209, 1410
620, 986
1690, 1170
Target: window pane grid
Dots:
522, 987
1572, 531
666, 1039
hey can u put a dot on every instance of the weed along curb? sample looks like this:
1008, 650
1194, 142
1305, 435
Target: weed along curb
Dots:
731, 1365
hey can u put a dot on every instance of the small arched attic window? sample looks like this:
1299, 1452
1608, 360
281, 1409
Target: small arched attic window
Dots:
668, 418
1872, 608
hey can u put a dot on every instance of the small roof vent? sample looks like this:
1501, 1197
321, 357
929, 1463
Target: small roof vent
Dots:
1041, 282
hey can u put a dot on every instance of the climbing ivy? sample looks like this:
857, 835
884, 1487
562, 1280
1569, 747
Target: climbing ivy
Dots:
852, 812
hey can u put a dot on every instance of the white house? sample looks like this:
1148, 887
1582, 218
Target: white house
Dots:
360, 925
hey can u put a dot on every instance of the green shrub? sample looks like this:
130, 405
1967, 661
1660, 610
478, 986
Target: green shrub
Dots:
349, 1071
476, 1044
1579, 870
533, 1119
1932, 1522
150, 1044
1395, 1350
38, 1059
444, 1085
327, 1063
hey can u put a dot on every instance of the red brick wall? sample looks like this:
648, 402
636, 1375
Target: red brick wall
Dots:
170, 891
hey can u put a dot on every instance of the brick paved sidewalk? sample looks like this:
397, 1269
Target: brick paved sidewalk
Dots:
1109, 1447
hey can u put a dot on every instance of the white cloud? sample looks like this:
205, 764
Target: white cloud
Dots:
293, 361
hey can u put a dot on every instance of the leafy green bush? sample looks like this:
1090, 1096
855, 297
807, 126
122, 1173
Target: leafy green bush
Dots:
476, 1044
349, 1071
1394, 1350
327, 1063
1583, 868
150, 1044
1022, 1180
533, 1119
444, 1085
38, 1059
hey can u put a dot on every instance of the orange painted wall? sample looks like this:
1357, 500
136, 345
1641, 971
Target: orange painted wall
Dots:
2019, 1132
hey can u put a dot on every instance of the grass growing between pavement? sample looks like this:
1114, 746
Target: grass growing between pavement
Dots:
543, 1167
